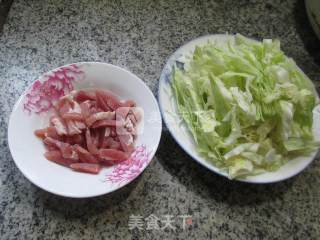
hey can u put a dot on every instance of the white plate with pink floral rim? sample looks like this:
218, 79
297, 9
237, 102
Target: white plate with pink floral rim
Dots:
34, 107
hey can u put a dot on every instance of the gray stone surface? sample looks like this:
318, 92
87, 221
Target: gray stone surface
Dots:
140, 35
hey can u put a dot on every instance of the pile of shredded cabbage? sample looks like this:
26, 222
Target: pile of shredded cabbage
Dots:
247, 105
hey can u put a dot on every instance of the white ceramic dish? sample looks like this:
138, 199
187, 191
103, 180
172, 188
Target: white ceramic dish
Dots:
181, 134
313, 11
32, 112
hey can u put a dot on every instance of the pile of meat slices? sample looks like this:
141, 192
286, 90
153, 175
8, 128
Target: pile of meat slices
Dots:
91, 129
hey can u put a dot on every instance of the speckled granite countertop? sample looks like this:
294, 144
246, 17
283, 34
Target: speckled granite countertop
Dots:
140, 35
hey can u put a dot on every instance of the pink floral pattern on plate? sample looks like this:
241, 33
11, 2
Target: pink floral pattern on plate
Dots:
46, 91
131, 168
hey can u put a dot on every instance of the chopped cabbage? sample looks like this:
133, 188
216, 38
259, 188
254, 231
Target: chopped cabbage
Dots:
247, 105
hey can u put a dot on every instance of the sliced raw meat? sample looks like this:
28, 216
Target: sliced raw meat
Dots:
95, 137
74, 139
55, 143
110, 142
123, 130
100, 116
127, 143
72, 116
85, 108
101, 135
50, 148
106, 142
52, 132
82, 96
85, 156
75, 107
60, 126
112, 155
70, 153
90, 129
66, 150
80, 125
68, 105
107, 132
86, 167
94, 109
52, 155
109, 98
41, 133
106, 122
55, 156
102, 104
72, 127
47, 132
90, 145
65, 108
113, 132
63, 104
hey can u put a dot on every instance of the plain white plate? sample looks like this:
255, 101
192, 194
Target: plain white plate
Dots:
32, 112
182, 136
313, 11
